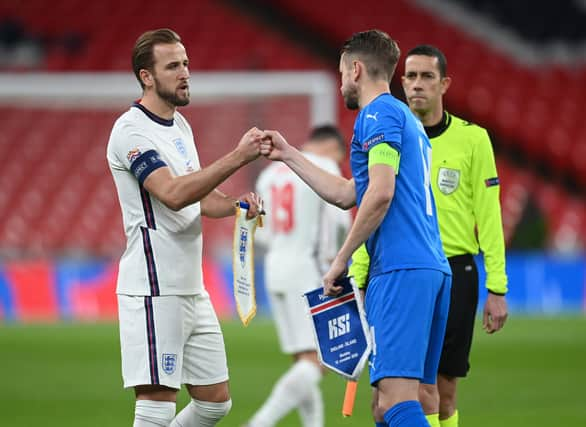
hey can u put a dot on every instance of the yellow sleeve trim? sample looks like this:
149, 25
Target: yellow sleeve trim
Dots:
384, 154
359, 266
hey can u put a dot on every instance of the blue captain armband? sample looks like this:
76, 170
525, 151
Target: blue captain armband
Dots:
146, 163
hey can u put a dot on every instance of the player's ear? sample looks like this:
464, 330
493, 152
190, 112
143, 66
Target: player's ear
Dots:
357, 70
146, 77
446, 82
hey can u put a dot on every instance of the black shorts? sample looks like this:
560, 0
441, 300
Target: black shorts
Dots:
454, 360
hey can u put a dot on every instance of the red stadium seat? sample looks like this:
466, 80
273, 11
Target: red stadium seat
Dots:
536, 110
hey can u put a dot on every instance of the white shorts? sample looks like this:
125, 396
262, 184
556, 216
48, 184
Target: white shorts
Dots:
171, 340
293, 322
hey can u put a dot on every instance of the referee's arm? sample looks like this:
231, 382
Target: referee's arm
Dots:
487, 211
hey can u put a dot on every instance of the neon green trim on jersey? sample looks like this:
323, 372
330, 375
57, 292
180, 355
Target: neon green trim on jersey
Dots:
359, 266
384, 154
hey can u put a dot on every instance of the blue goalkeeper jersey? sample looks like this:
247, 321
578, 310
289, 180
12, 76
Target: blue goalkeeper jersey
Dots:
408, 236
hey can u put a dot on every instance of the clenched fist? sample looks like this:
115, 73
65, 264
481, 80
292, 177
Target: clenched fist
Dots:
273, 146
249, 145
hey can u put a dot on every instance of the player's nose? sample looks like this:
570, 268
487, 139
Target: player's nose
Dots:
184, 73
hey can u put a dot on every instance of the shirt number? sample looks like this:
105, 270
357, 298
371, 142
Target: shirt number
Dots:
282, 207
426, 160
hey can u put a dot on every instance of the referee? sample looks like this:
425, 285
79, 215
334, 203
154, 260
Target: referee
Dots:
465, 186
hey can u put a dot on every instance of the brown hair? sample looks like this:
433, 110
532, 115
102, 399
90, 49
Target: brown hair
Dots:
377, 50
142, 53
326, 132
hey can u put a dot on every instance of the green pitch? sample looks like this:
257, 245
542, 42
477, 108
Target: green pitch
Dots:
530, 374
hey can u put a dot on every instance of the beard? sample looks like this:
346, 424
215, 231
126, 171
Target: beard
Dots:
350, 96
171, 97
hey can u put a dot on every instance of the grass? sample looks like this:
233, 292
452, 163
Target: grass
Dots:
530, 374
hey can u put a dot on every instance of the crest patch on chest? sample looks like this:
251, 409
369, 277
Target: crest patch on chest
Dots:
448, 180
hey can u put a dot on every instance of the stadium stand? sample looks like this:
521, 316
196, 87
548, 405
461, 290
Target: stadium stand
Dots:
492, 87
531, 110
68, 202
547, 21
57, 196
218, 38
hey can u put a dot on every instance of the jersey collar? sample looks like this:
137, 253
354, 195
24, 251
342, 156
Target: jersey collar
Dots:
439, 128
153, 116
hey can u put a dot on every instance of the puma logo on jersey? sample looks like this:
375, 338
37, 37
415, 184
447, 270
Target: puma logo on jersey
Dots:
372, 116
339, 326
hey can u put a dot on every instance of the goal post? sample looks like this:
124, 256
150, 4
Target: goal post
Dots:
58, 202
58, 124
99, 90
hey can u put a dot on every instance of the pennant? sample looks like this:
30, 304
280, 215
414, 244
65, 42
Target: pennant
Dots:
243, 262
340, 329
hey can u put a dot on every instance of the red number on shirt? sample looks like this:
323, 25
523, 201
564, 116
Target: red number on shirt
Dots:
282, 207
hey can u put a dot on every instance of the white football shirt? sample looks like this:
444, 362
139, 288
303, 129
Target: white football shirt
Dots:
163, 253
302, 232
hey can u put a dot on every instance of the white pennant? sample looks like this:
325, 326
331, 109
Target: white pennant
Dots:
243, 263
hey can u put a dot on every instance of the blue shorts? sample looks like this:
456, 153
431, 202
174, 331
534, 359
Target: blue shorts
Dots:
407, 311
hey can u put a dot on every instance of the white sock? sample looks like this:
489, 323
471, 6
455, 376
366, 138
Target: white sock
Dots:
152, 413
289, 391
311, 409
201, 414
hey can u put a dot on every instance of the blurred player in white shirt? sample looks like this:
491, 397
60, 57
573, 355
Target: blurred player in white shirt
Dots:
169, 332
302, 234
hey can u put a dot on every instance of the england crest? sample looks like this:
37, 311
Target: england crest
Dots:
242, 246
448, 180
180, 145
169, 363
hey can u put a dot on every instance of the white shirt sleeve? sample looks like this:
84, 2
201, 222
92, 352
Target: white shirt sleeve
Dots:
130, 149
